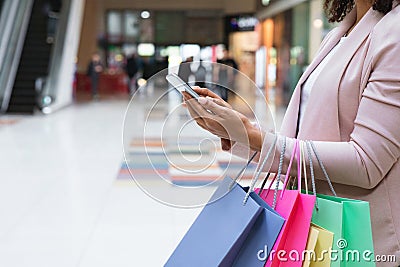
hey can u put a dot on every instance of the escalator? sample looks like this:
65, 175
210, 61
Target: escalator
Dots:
34, 61
34, 37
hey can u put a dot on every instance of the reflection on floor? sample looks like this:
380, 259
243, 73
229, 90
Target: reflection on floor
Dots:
60, 203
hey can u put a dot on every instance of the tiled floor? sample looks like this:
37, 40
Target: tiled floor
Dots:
60, 202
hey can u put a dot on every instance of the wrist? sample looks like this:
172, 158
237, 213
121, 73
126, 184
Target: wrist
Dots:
255, 136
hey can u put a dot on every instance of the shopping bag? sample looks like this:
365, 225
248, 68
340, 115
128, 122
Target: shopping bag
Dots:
320, 240
319, 247
296, 208
323, 248
230, 229
260, 241
350, 222
311, 244
265, 231
218, 233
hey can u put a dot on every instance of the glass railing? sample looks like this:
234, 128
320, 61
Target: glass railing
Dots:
14, 19
62, 57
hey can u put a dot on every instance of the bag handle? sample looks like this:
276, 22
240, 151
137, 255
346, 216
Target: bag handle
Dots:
295, 152
278, 174
242, 170
304, 166
281, 157
311, 147
264, 182
311, 168
259, 170
298, 160
303, 147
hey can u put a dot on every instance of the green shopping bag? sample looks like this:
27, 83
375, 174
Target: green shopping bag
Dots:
350, 222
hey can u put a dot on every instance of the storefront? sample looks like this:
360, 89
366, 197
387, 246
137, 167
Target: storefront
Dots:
243, 41
290, 33
158, 38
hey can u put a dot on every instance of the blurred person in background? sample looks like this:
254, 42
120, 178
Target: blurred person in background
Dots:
95, 68
132, 68
200, 75
224, 74
185, 69
149, 67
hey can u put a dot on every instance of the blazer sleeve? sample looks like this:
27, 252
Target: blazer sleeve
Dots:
374, 145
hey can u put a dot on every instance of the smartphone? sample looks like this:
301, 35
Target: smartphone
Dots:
180, 85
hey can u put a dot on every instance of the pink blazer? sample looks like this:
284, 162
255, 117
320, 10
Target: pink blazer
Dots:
353, 115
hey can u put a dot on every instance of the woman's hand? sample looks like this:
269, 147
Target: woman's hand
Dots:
216, 116
226, 144
205, 92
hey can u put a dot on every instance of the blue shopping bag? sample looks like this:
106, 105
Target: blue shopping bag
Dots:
233, 229
259, 243
218, 233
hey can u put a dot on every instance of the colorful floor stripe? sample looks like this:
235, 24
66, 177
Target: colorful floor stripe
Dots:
186, 164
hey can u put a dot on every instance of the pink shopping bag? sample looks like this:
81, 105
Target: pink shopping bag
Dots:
296, 208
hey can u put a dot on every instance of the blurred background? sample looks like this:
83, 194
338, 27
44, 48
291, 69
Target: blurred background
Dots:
68, 69
46, 45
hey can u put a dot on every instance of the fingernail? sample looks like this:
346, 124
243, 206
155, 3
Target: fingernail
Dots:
202, 100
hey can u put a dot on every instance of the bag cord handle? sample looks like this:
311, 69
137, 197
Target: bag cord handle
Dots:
282, 155
278, 175
242, 170
259, 170
311, 146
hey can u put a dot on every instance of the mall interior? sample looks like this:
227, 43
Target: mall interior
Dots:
100, 162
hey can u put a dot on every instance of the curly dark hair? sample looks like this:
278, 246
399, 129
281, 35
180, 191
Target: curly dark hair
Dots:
336, 10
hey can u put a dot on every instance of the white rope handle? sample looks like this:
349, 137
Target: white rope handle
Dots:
321, 164
303, 162
254, 180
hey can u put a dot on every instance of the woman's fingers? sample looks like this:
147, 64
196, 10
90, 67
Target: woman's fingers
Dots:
210, 104
211, 114
194, 114
221, 102
186, 96
197, 112
198, 108
206, 92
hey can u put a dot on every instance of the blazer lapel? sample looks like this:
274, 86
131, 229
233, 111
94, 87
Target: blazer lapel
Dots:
289, 123
323, 100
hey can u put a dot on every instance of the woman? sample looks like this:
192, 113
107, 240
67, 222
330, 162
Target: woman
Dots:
348, 102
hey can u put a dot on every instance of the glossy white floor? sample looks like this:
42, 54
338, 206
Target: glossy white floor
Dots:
60, 204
